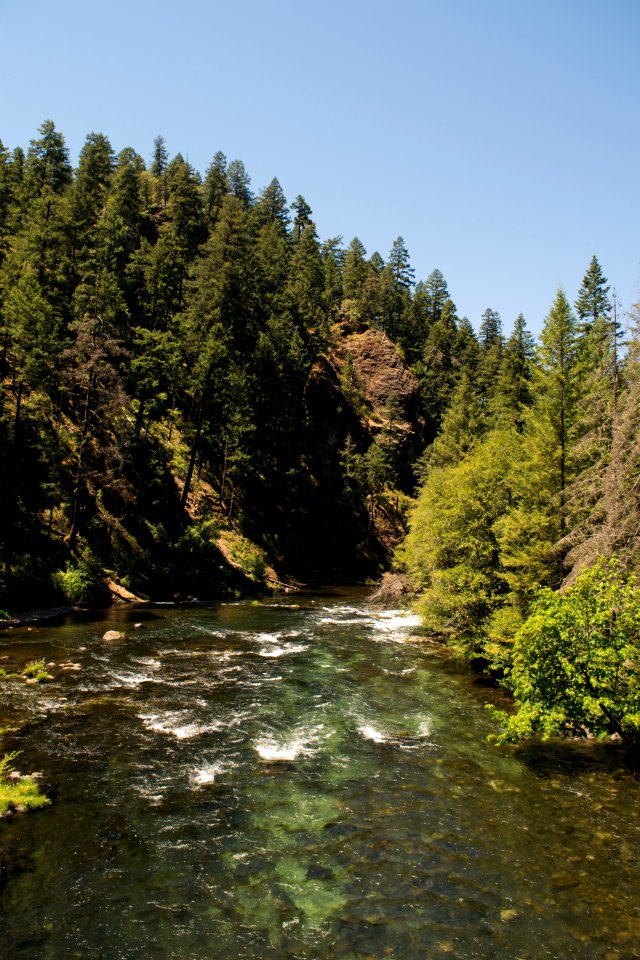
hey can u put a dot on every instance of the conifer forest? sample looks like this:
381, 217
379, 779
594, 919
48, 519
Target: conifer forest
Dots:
200, 397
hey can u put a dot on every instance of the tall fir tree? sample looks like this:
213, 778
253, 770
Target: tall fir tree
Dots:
532, 534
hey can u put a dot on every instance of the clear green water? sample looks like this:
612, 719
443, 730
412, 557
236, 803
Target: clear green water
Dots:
264, 782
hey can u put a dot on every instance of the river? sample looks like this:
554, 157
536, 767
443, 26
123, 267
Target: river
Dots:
297, 780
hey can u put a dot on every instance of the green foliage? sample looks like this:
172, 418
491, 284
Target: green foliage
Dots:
76, 582
36, 670
452, 551
248, 557
22, 794
576, 660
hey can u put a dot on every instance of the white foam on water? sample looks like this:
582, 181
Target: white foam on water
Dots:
372, 733
403, 741
274, 749
205, 776
346, 610
210, 631
343, 621
273, 652
148, 662
391, 620
267, 637
134, 679
424, 728
171, 725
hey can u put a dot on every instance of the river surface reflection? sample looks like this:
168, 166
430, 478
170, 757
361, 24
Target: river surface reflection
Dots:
297, 780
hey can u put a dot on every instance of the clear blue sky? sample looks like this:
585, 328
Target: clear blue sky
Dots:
500, 138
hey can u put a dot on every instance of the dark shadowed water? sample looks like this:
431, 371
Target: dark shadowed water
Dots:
270, 781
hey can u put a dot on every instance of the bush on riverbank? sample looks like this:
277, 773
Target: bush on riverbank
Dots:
576, 661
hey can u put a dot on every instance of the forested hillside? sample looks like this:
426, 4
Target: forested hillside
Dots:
182, 399
198, 393
531, 488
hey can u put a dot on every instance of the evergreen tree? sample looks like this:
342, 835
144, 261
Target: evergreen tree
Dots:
514, 387
462, 425
532, 532
396, 281
305, 288
221, 329
273, 254
302, 216
271, 207
597, 437
491, 346
436, 371
400, 265
47, 164
184, 206
333, 256
93, 179
355, 270
452, 551
437, 294
238, 183
467, 351
158, 169
370, 307
593, 300
160, 157
215, 188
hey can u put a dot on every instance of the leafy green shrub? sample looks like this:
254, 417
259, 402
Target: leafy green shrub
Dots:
500, 630
248, 557
77, 582
576, 661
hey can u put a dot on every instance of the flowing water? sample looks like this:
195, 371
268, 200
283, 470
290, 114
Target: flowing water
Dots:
298, 781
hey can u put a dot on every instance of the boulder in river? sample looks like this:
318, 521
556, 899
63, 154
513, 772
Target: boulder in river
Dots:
113, 635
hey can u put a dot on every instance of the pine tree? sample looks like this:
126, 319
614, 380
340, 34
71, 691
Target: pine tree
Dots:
333, 256
436, 370
593, 300
302, 216
462, 425
491, 346
158, 169
532, 533
452, 551
184, 206
467, 351
271, 207
437, 294
514, 387
47, 164
355, 270
215, 188
93, 180
273, 254
597, 439
222, 325
305, 288
238, 183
